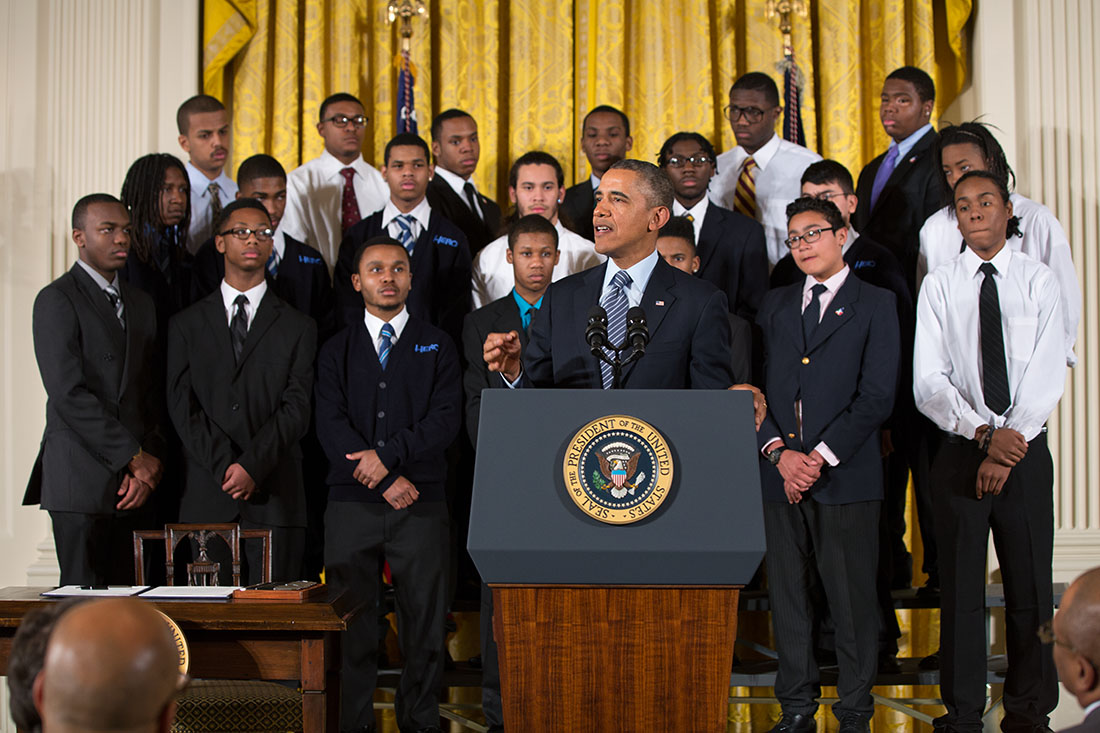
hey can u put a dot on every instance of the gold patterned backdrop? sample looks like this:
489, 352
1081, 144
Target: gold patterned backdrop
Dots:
528, 71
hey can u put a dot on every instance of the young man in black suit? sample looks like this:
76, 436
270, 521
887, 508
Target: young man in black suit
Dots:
95, 342
605, 140
831, 359
240, 371
899, 189
389, 401
456, 149
440, 255
730, 246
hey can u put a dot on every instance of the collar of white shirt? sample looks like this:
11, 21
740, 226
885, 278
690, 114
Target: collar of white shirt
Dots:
374, 326
766, 152
99, 279
254, 294
697, 212
422, 213
907, 144
832, 285
331, 165
455, 181
639, 273
1002, 261
1091, 707
595, 182
200, 184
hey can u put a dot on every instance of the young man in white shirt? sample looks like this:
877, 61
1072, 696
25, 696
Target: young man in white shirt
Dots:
988, 370
536, 185
204, 135
328, 195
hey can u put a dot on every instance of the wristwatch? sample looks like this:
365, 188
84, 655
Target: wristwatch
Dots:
773, 455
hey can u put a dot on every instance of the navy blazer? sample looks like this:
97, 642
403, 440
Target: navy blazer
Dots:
576, 209
252, 411
500, 316
409, 413
733, 256
441, 274
846, 378
688, 325
442, 198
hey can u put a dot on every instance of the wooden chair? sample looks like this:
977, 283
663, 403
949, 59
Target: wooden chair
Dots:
222, 705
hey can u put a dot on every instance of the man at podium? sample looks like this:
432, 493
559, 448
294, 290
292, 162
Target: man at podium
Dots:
689, 341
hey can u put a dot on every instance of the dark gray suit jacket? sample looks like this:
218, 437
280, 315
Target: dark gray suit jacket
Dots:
1091, 724
500, 316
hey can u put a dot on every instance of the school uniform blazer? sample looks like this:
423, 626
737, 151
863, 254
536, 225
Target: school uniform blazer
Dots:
576, 208
102, 393
912, 193
409, 413
500, 316
441, 274
733, 256
303, 280
689, 333
846, 378
442, 198
253, 412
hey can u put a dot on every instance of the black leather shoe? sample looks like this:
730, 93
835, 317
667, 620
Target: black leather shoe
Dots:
888, 663
851, 723
932, 661
795, 724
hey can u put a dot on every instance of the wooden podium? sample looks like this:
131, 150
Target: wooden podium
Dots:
616, 627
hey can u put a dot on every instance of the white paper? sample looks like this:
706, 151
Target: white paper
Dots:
66, 591
190, 591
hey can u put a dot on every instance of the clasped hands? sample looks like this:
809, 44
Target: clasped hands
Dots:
1007, 447
369, 471
799, 471
143, 473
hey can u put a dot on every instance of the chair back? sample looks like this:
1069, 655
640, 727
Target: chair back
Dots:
202, 570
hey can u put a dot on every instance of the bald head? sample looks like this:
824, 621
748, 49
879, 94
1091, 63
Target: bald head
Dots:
111, 665
1077, 627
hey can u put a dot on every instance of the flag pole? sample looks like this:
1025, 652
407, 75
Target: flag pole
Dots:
405, 11
793, 82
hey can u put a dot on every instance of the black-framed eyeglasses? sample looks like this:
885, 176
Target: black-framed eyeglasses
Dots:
342, 121
1046, 635
830, 195
752, 114
241, 233
808, 237
677, 161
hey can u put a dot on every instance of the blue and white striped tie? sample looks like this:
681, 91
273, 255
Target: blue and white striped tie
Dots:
387, 343
615, 302
406, 222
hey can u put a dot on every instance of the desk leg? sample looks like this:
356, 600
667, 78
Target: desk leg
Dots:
320, 689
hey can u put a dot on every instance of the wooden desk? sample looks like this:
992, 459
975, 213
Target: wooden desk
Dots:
270, 640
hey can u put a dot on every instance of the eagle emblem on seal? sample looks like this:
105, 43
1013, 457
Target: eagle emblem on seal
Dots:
619, 463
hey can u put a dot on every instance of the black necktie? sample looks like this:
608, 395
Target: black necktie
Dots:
994, 369
812, 315
471, 198
238, 328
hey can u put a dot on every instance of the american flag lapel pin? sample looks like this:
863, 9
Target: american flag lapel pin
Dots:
659, 302
839, 311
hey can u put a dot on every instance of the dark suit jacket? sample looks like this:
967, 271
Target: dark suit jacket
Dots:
576, 209
500, 316
1091, 724
732, 255
102, 392
741, 338
688, 325
441, 272
442, 198
409, 413
252, 413
170, 296
912, 194
303, 280
846, 379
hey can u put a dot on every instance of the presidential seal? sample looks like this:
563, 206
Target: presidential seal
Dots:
618, 469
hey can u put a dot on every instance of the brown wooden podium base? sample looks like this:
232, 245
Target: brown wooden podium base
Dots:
615, 658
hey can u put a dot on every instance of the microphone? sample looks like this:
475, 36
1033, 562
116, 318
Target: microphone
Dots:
595, 334
637, 329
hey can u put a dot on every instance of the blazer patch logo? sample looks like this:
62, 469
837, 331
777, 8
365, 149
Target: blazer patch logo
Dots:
422, 349
863, 263
440, 239
307, 260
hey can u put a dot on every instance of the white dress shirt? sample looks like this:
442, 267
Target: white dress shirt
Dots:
458, 185
947, 370
314, 198
99, 279
374, 328
254, 295
202, 215
421, 213
494, 277
697, 212
1044, 240
778, 182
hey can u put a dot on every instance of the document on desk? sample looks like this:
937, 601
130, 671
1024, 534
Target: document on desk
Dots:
91, 591
190, 592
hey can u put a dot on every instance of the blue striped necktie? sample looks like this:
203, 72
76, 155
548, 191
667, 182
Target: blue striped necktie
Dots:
405, 222
387, 343
616, 304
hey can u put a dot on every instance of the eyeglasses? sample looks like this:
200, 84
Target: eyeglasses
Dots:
752, 114
1046, 635
675, 161
342, 121
828, 195
809, 237
262, 235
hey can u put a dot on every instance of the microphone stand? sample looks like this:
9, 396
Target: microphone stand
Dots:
616, 360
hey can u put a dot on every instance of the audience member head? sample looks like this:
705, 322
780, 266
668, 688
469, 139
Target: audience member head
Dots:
970, 147
204, 133
263, 178
342, 124
829, 180
454, 142
407, 170
382, 276
158, 195
533, 253
243, 234
688, 159
101, 230
605, 138
28, 651
906, 102
753, 110
1075, 633
111, 665
816, 234
676, 244
984, 213
536, 185
633, 202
